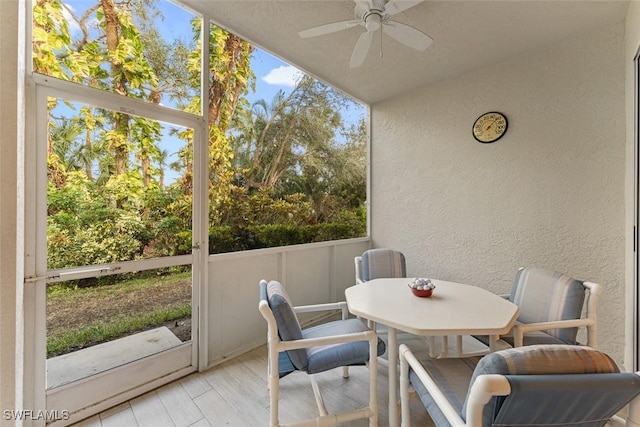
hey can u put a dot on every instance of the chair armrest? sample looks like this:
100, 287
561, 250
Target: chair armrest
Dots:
559, 324
407, 359
272, 332
483, 389
320, 307
342, 306
520, 329
334, 339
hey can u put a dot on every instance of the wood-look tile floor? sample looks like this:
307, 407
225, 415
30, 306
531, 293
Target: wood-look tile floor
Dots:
235, 394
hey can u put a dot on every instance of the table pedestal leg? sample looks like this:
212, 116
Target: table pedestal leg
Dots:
445, 347
392, 349
493, 339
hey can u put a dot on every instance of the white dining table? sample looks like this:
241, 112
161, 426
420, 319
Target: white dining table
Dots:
453, 309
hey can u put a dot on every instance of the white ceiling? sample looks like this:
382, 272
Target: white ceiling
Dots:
467, 35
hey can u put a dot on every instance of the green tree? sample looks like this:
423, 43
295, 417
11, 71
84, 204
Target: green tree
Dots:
275, 168
300, 143
230, 78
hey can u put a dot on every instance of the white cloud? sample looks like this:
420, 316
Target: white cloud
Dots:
285, 75
92, 22
73, 25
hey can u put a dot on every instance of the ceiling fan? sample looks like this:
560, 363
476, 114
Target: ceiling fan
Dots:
372, 15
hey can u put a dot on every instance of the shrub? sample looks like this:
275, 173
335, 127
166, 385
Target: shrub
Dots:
224, 239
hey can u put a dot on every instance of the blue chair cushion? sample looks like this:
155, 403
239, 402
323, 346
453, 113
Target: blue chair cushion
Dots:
381, 262
319, 358
288, 326
545, 296
455, 376
452, 375
285, 366
539, 360
326, 357
566, 400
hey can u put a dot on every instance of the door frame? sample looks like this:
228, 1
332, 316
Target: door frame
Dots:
636, 216
96, 393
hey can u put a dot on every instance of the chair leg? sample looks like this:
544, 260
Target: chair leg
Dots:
404, 392
345, 372
268, 370
319, 400
274, 386
373, 382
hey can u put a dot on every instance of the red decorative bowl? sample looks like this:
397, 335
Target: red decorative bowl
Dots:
422, 293
421, 287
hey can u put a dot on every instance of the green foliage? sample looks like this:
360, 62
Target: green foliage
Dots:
85, 228
90, 224
280, 173
261, 220
231, 239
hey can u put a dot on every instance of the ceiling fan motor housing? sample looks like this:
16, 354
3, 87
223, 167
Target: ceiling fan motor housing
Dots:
372, 17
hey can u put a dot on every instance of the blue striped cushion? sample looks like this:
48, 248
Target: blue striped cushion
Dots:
452, 375
583, 400
545, 296
325, 357
288, 325
541, 360
381, 263
455, 377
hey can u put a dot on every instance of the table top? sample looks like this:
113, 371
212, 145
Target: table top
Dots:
453, 309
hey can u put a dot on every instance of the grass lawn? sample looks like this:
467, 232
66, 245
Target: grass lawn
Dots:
82, 317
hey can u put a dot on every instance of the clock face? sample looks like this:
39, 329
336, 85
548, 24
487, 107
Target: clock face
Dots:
490, 127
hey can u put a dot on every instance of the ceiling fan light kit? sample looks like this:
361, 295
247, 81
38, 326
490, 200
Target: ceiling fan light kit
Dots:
373, 15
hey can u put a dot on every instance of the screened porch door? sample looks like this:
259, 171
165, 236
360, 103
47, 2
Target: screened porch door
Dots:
118, 260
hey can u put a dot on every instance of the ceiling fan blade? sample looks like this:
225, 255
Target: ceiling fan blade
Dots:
366, 4
361, 49
407, 35
397, 6
328, 28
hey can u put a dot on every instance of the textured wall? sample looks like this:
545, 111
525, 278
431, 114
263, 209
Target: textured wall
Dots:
549, 194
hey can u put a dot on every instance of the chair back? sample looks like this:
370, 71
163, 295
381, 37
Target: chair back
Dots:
547, 296
381, 263
563, 400
555, 385
275, 294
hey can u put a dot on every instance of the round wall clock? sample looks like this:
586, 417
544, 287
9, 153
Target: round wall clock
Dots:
490, 127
